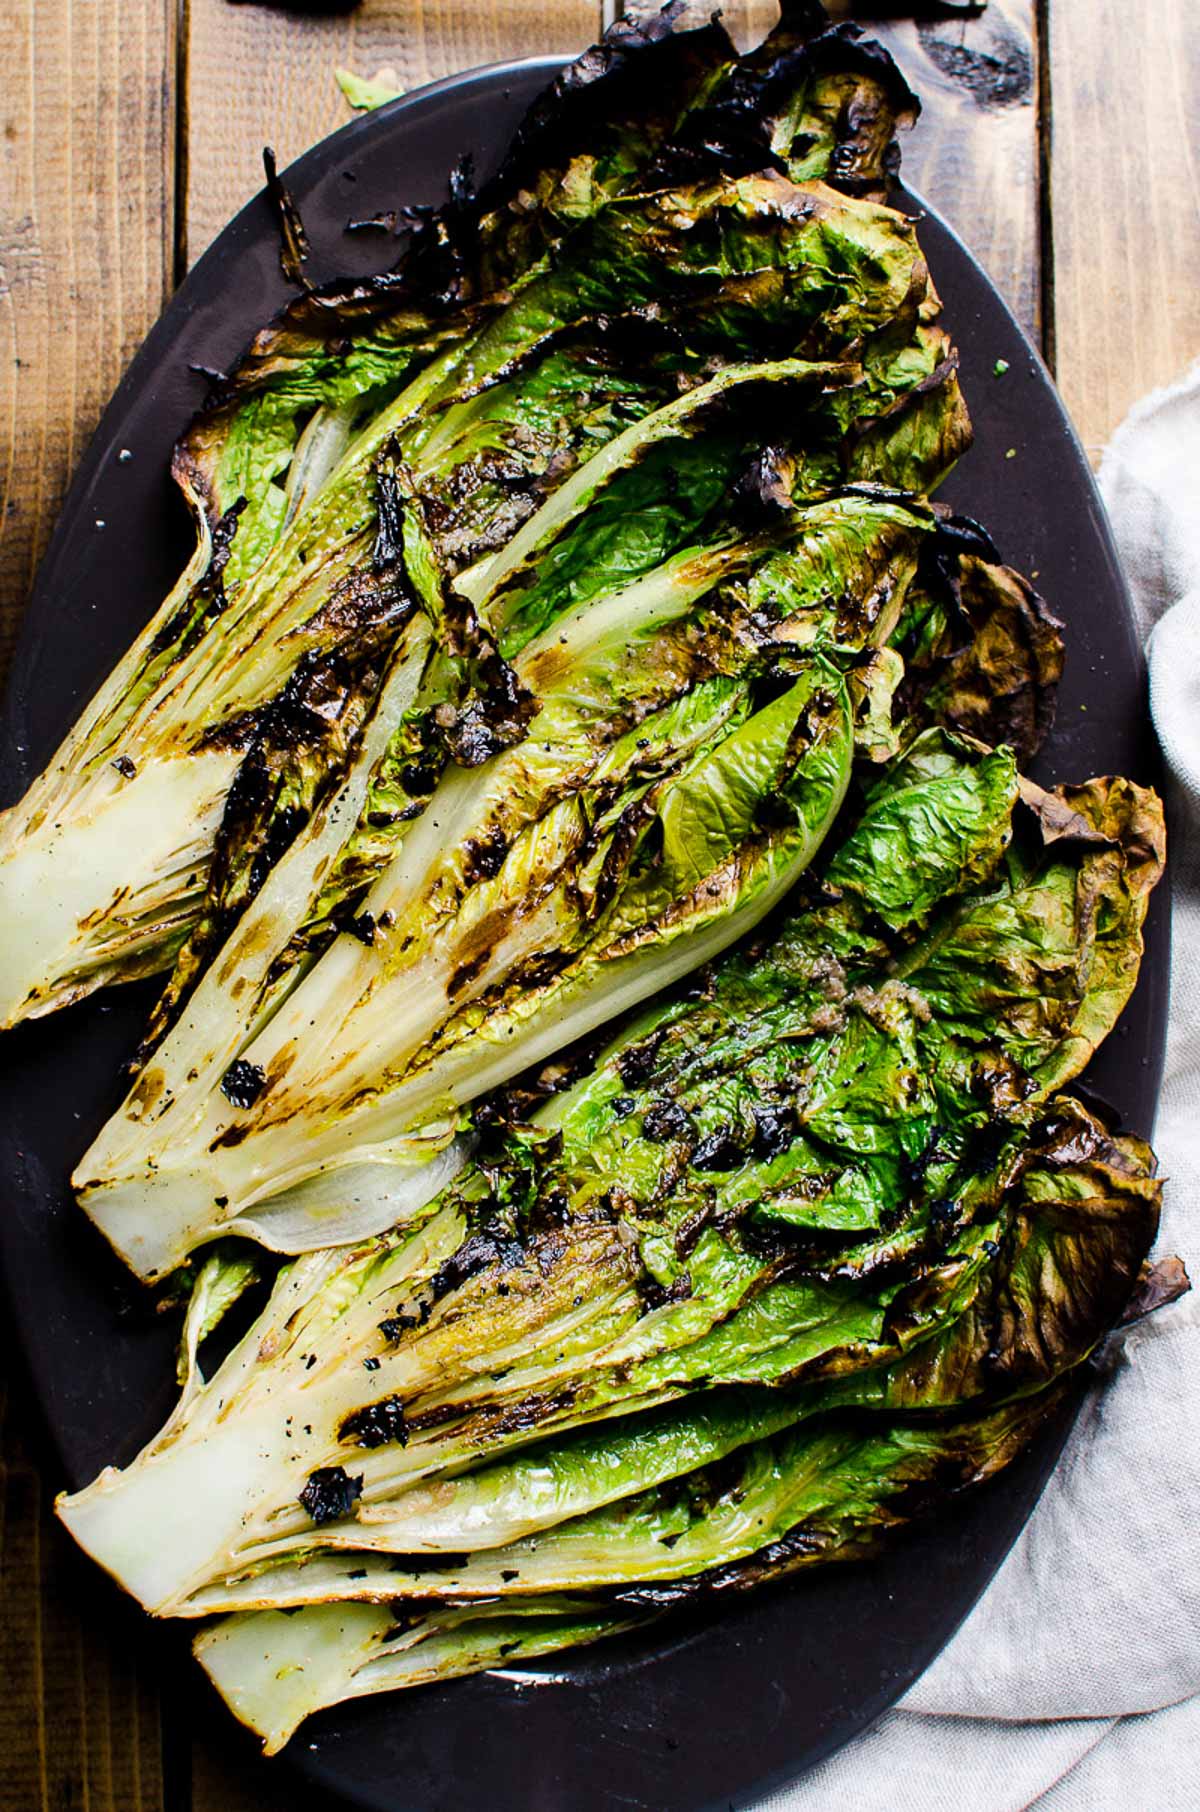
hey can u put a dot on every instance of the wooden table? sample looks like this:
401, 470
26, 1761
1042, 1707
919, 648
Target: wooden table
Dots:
1060, 136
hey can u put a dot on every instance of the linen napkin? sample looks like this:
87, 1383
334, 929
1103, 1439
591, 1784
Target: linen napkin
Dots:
1074, 1684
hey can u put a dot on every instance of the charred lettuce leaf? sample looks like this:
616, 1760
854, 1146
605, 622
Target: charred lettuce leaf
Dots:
804, 1178
649, 810
998, 671
1048, 962
274, 1669
736, 267
813, 100
566, 597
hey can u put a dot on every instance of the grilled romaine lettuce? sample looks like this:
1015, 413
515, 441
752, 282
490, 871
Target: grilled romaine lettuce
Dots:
806, 1174
564, 597
689, 745
688, 470
848, 1490
496, 372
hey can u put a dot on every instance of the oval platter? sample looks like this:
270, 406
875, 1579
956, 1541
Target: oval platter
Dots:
708, 1713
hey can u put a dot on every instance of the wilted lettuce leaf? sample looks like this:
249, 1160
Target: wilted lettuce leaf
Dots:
1000, 683
364, 93
854, 1497
801, 1175
1045, 963
552, 590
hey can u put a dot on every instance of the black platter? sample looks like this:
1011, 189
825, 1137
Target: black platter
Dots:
715, 1711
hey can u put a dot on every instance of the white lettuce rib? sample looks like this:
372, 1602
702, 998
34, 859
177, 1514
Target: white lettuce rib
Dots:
275, 1670
134, 854
100, 868
236, 993
241, 1446
162, 1175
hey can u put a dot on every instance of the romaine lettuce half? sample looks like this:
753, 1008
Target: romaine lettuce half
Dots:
817, 1180
282, 626
689, 746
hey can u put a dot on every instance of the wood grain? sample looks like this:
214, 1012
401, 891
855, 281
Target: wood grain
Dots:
79, 1720
1124, 202
746, 21
86, 179
254, 76
86, 182
974, 151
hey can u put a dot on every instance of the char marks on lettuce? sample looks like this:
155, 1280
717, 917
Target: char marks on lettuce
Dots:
293, 240
330, 1494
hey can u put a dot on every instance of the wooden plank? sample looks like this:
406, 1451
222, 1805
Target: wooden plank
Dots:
974, 152
86, 185
79, 1722
256, 76
86, 180
746, 21
1124, 202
